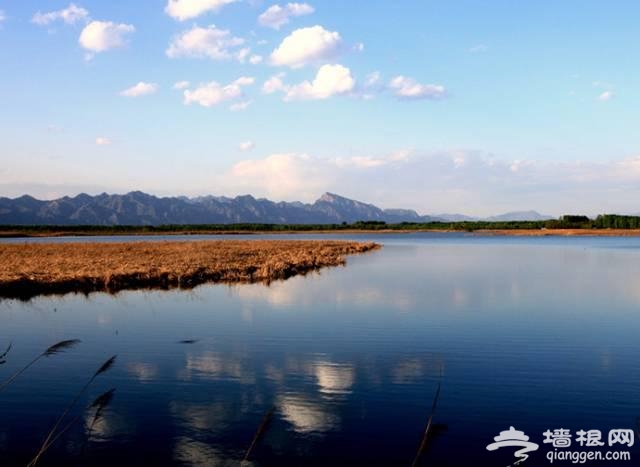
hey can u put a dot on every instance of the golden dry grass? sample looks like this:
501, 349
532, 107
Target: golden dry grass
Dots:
31, 269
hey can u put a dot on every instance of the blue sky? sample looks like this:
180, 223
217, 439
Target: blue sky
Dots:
457, 106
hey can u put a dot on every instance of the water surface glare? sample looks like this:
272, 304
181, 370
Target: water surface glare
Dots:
535, 333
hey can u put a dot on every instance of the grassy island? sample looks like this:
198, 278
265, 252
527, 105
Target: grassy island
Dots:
31, 269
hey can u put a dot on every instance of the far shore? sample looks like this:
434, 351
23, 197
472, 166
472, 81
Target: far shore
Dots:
31, 269
561, 232
477, 232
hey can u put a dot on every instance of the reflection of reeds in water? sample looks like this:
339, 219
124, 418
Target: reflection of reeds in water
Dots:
51, 351
3, 357
428, 428
261, 430
53, 434
98, 405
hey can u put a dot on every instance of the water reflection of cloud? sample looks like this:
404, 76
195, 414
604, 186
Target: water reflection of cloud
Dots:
198, 454
143, 372
211, 365
281, 295
415, 370
334, 378
276, 293
109, 425
407, 371
198, 417
305, 415
274, 373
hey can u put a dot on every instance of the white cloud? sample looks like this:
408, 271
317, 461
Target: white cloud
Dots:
242, 54
240, 106
181, 85
409, 89
70, 15
140, 89
276, 16
246, 146
606, 96
331, 80
245, 81
187, 9
255, 59
274, 84
451, 181
278, 176
102, 141
99, 36
3, 17
307, 45
213, 93
210, 42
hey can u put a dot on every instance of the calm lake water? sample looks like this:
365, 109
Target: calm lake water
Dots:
536, 333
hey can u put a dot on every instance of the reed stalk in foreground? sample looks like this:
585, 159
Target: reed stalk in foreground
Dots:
48, 441
261, 430
99, 404
53, 350
427, 430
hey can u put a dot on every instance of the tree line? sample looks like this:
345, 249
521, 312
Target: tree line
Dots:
604, 221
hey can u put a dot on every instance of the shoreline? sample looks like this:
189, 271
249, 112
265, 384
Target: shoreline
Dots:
232, 233
560, 232
32, 269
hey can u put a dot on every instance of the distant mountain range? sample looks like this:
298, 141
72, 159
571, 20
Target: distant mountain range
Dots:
137, 208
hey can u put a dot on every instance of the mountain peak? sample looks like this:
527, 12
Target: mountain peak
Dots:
328, 197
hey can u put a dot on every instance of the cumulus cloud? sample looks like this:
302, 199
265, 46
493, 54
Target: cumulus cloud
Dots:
182, 10
140, 89
409, 89
213, 93
181, 85
277, 16
246, 146
102, 141
274, 84
307, 45
255, 59
210, 42
279, 176
458, 180
605, 96
70, 15
331, 80
3, 17
99, 36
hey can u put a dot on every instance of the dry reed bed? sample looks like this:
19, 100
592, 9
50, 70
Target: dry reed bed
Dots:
30, 269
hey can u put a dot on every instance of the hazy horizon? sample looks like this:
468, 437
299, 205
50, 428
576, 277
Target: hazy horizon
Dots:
462, 107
